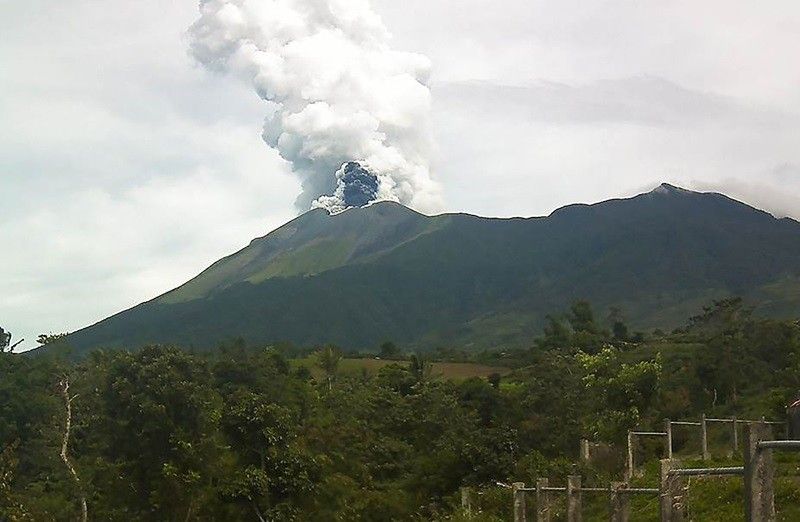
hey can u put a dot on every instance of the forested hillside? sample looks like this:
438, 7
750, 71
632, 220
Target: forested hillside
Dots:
255, 432
387, 272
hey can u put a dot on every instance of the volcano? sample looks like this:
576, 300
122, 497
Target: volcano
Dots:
386, 272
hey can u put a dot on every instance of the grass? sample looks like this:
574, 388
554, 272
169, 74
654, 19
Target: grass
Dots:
314, 258
456, 371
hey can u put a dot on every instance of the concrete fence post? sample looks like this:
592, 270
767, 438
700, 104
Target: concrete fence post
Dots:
704, 437
670, 494
668, 431
585, 453
574, 501
735, 436
520, 514
629, 461
542, 501
759, 496
664, 493
466, 501
620, 506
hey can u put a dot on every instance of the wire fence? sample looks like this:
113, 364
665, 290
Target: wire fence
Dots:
757, 472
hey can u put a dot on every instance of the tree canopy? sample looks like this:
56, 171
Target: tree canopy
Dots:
243, 433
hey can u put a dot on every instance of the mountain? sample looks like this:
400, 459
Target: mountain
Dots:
386, 272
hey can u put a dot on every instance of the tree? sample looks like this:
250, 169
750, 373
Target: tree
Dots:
11, 507
5, 339
397, 378
581, 317
620, 331
64, 389
618, 327
587, 335
389, 350
720, 316
550, 402
724, 326
274, 474
328, 359
420, 369
577, 330
157, 416
620, 393
556, 334
5, 342
46, 339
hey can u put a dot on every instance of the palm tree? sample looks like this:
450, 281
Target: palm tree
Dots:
328, 359
420, 369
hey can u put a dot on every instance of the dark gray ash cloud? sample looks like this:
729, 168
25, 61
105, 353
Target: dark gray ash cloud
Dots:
359, 186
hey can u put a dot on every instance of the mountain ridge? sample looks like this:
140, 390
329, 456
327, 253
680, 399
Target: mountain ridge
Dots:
387, 272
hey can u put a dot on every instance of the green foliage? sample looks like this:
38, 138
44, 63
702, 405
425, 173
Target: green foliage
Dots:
577, 330
5, 340
51, 339
162, 434
620, 331
328, 359
273, 472
556, 334
620, 393
389, 350
242, 433
619, 328
11, 505
581, 317
419, 368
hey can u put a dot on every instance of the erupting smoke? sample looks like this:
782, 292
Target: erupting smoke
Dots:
355, 187
349, 113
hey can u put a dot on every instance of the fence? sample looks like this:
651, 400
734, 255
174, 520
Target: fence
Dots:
630, 466
619, 493
672, 495
758, 472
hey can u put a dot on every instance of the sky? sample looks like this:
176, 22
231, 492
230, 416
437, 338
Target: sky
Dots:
126, 168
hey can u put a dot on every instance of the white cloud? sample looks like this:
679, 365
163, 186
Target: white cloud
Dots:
776, 190
522, 150
735, 48
335, 92
125, 169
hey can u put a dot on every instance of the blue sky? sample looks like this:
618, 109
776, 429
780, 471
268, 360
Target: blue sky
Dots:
125, 168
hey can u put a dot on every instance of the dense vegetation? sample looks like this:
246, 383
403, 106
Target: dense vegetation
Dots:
464, 281
245, 433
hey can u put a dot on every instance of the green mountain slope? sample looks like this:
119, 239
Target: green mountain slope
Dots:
387, 272
308, 245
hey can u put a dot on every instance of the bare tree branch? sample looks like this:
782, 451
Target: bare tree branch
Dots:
64, 383
258, 511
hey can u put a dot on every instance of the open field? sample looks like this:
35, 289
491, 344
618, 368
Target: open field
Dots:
456, 371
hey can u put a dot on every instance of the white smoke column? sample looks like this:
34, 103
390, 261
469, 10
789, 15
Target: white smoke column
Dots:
336, 91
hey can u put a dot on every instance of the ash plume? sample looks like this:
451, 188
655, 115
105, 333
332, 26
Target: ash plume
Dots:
337, 96
355, 187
